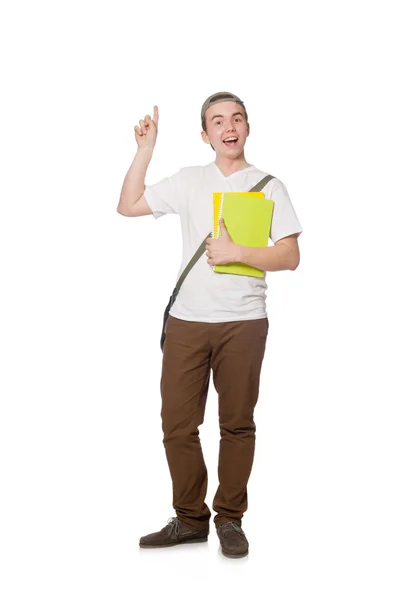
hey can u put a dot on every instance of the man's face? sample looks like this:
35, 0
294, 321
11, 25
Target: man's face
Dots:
226, 120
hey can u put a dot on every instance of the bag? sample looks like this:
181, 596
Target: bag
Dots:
199, 252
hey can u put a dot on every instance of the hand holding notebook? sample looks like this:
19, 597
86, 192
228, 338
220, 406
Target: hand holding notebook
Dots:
247, 216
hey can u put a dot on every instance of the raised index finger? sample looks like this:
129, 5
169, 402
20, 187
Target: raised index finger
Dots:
156, 114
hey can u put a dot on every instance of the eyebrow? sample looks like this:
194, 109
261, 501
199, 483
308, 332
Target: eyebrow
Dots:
236, 113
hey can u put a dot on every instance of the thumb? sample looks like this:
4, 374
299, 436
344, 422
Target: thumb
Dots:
222, 224
150, 123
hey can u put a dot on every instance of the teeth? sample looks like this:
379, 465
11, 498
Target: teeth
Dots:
230, 139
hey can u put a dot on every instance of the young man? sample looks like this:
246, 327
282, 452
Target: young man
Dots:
218, 321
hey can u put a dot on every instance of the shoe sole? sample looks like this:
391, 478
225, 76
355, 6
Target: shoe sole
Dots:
235, 555
194, 541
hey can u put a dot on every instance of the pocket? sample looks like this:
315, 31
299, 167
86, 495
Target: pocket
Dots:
167, 324
264, 329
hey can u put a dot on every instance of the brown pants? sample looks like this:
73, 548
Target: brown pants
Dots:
234, 351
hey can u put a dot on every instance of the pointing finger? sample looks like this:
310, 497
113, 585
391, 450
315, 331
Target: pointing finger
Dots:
156, 114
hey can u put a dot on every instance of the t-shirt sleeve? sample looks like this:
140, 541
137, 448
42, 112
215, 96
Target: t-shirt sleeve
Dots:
285, 221
166, 196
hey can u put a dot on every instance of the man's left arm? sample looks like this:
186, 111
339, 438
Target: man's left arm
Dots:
283, 255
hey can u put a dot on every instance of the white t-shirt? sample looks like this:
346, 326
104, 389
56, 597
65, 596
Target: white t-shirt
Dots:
206, 295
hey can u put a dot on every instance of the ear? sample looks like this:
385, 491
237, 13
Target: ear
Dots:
204, 137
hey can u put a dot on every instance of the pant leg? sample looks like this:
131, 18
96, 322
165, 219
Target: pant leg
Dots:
184, 387
236, 363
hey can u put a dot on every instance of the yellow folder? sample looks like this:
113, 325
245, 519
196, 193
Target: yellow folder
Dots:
248, 217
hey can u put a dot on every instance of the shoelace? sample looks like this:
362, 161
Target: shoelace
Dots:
231, 525
174, 525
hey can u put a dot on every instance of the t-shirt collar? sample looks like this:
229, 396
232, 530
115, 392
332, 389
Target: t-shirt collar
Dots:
250, 168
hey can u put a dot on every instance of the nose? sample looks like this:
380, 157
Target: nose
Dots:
230, 127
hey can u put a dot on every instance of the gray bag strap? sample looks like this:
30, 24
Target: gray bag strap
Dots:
200, 251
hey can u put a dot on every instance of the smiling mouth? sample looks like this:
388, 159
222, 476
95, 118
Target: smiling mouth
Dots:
231, 143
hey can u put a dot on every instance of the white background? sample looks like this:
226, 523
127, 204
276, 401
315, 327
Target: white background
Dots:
83, 467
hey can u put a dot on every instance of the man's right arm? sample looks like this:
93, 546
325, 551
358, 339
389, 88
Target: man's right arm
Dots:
132, 201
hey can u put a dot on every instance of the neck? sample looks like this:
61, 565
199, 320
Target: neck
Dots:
227, 166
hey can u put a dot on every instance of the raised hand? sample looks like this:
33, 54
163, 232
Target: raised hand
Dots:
146, 133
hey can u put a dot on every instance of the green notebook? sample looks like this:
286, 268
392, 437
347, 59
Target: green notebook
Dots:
248, 218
